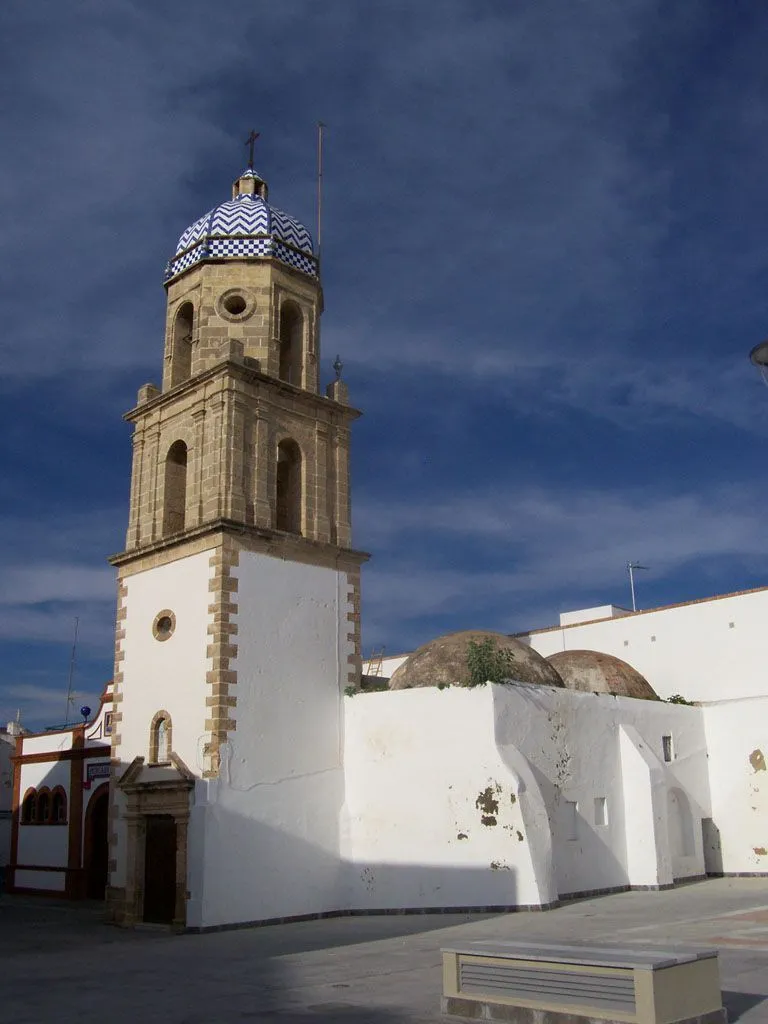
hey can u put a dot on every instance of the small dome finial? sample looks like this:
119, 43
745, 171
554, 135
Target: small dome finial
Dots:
338, 366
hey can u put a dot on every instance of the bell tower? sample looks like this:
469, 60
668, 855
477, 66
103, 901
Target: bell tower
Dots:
238, 590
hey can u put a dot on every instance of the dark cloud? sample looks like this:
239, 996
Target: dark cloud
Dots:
544, 262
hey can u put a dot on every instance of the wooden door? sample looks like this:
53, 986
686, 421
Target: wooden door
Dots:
96, 845
160, 869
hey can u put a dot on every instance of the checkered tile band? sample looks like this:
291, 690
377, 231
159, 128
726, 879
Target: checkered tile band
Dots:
246, 226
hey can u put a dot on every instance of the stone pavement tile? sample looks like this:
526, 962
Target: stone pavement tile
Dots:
65, 965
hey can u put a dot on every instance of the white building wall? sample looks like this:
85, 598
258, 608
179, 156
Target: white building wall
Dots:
48, 742
706, 650
432, 815
737, 740
281, 786
170, 674
423, 767
44, 845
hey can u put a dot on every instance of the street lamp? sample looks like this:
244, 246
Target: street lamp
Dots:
759, 358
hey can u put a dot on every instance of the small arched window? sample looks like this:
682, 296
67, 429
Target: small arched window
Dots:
29, 807
43, 807
160, 738
58, 807
175, 494
291, 343
288, 496
181, 352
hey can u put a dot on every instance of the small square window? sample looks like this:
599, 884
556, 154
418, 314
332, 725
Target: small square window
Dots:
653, 639
571, 819
667, 749
731, 625
601, 810
626, 643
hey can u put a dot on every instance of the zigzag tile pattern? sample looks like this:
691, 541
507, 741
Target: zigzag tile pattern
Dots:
246, 226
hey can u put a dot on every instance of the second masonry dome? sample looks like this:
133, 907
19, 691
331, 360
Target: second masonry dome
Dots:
244, 227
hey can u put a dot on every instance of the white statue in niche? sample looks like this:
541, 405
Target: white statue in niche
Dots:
162, 744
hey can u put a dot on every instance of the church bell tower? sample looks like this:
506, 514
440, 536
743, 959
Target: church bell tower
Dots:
238, 623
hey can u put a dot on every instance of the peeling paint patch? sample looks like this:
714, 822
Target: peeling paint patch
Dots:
519, 836
513, 798
487, 802
496, 865
488, 819
462, 835
757, 760
760, 851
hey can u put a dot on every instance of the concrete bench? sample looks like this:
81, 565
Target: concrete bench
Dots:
535, 983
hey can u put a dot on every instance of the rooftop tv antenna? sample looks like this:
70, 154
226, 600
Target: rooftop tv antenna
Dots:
632, 567
70, 698
320, 129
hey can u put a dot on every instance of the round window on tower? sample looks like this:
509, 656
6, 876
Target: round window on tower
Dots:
235, 304
164, 625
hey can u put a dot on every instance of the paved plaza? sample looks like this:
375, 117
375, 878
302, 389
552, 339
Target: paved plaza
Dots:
60, 962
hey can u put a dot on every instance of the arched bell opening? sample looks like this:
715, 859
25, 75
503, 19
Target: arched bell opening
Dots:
175, 493
288, 497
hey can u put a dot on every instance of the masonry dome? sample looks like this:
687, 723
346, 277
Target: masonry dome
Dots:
594, 672
444, 661
244, 227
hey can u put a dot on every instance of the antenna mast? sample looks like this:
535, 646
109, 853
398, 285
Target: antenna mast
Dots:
70, 698
631, 567
320, 129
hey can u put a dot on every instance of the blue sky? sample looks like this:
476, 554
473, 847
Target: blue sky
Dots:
545, 261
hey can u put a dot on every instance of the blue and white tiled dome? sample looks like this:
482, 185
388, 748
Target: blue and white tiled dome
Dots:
246, 226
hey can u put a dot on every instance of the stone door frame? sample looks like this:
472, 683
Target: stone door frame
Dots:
145, 797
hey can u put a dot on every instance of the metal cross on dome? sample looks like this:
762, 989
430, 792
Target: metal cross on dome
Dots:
249, 142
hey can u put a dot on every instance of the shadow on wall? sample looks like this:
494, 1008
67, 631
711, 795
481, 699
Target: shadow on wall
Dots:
296, 877
713, 849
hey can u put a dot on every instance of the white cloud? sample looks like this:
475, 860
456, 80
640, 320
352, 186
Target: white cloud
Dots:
538, 552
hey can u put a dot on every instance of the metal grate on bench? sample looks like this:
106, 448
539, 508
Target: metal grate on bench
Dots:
603, 991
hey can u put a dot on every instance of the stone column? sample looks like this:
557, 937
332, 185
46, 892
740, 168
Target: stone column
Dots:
151, 502
235, 447
180, 909
133, 538
322, 526
195, 504
262, 507
136, 838
343, 519
213, 501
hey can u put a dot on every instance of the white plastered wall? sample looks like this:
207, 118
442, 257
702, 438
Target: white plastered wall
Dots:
170, 674
432, 816
264, 837
423, 767
707, 650
43, 845
737, 739
572, 743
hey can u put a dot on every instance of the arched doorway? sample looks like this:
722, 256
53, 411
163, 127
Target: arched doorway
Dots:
96, 849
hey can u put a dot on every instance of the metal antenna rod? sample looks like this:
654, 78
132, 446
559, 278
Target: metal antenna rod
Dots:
631, 567
70, 698
320, 129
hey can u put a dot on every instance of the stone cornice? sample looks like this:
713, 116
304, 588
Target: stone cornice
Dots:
249, 375
272, 542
